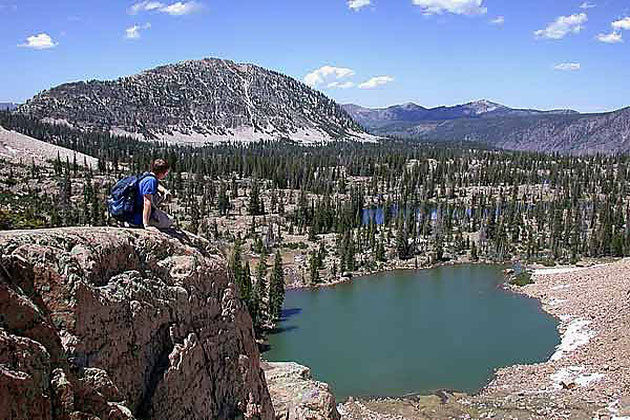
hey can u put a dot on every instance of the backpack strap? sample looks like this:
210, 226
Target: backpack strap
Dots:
146, 175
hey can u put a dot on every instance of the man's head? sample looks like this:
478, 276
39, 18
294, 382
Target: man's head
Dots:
160, 168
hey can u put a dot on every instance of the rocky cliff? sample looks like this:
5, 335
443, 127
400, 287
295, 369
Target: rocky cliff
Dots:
101, 323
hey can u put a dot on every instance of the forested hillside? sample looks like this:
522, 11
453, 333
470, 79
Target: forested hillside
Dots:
505, 203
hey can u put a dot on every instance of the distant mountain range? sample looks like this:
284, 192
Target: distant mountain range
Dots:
497, 125
7, 106
214, 100
199, 102
412, 113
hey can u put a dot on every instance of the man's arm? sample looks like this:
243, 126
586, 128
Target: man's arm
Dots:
166, 194
146, 210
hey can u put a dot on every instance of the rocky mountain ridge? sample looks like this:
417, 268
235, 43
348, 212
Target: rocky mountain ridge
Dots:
413, 113
198, 102
607, 133
495, 125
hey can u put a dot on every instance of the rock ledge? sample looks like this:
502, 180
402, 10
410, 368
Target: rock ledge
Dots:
101, 323
296, 396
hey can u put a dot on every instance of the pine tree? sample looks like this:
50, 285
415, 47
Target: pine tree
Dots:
473, 252
313, 265
239, 274
255, 207
276, 289
223, 202
262, 290
246, 284
402, 241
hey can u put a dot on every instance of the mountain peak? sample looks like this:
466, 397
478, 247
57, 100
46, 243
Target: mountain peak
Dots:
201, 101
483, 106
411, 105
484, 102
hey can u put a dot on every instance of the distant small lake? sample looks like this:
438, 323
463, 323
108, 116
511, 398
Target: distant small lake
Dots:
407, 332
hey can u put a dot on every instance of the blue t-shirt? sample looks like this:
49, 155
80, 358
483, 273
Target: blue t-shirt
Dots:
147, 186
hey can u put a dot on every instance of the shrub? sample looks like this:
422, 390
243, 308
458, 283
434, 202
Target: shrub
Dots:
522, 279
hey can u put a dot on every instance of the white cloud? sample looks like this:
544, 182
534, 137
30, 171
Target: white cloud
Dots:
563, 26
358, 4
568, 66
611, 38
341, 85
622, 24
499, 20
174, 9
39, 42
587, 5
458, 7
376, 81
145, 6
133, 32
181, 8
329, 76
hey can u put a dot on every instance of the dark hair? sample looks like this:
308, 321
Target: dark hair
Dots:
160, 166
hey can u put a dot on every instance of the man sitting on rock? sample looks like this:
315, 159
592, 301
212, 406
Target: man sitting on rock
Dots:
150, 195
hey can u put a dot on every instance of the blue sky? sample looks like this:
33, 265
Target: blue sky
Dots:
370, 52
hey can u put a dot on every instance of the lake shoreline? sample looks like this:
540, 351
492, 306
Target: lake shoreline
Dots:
535, 269
482, 279
582, 299
400, 266
587, 377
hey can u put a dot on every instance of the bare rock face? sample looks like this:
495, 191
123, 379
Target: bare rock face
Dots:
296, 396
101, 323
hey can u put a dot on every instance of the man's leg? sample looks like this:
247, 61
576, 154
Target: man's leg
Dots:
160, 219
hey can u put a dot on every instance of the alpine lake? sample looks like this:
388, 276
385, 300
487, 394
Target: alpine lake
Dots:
412, 332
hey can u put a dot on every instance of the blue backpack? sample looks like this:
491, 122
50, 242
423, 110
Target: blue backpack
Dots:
121, 203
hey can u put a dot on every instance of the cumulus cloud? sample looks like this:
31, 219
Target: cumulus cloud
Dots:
615, 37
358, 4
568, 66
174, 9
587, 5
499, 20
622, 24
458, 7
133, 32
376, 82
563, 26
330, 77
42, 41
611, 38
145, 6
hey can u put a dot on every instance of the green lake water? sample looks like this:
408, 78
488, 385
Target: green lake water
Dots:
407, 332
